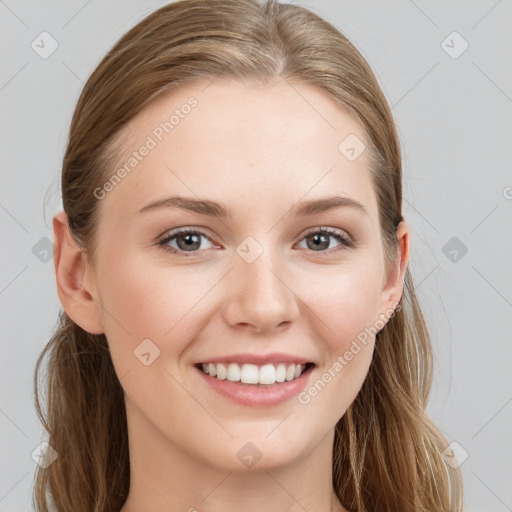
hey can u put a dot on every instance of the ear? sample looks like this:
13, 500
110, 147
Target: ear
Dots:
393, 283
75, 280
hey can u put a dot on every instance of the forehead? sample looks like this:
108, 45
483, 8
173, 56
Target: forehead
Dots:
250, 144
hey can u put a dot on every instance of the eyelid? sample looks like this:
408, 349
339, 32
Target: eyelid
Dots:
345, 239
173, 233
188, 229
330, 231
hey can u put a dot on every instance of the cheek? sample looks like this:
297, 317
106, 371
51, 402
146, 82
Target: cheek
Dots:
346, 306
172, 306
346, 301
144, 300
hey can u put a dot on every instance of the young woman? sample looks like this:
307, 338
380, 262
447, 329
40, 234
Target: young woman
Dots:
239, 327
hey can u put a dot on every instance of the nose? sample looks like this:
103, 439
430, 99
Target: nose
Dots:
259, 298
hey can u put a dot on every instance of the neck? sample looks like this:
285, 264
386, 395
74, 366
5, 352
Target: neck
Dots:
165, 478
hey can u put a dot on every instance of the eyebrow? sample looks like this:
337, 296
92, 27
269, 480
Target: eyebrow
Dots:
214, 209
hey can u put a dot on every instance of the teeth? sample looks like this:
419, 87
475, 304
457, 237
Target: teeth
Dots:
252, 374
221, 372
281, 372
233, 372
268, 374
249, 374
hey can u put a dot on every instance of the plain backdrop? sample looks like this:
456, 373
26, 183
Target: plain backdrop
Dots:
445, 68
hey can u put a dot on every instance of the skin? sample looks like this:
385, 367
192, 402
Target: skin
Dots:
236, 146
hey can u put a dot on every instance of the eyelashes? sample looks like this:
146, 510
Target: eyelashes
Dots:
319, 234
191, 238
182, 233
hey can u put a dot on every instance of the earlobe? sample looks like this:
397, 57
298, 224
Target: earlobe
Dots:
72, 276
394, 282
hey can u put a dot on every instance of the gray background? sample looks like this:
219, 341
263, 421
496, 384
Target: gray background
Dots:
453, 117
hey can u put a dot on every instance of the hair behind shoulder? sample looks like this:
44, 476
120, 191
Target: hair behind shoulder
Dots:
387, 453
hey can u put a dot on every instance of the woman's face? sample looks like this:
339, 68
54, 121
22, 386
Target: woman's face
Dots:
271, 275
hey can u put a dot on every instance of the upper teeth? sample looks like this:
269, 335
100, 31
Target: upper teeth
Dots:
253, 374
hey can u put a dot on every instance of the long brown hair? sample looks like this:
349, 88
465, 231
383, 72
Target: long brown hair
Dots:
387, 454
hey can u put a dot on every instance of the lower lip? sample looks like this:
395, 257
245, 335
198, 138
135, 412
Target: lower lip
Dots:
257, 395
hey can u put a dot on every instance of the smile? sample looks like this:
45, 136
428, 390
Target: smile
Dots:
256, 380
266, 374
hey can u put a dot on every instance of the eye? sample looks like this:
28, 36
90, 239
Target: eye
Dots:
319, 240
185, 240
188, 242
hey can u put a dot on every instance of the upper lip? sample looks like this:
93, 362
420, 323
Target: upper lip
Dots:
258, 359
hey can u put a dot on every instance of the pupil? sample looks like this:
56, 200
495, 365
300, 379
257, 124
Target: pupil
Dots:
191, 241
318, 241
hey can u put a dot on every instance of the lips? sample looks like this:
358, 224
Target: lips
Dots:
256, 380
258, 359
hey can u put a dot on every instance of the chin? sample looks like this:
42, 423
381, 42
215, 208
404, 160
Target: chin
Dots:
259, 454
